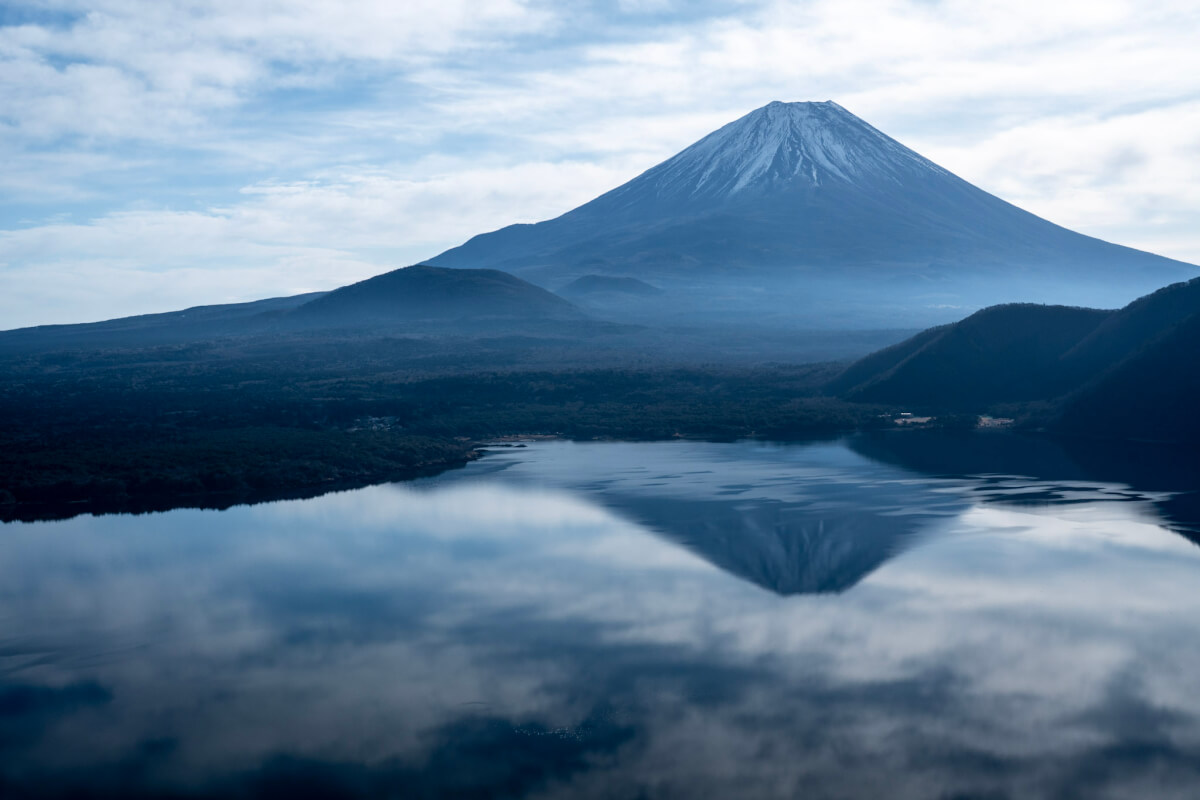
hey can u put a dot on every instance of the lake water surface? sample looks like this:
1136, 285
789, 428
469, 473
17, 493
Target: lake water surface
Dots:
888, 617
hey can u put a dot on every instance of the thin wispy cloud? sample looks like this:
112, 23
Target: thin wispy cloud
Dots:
174, 153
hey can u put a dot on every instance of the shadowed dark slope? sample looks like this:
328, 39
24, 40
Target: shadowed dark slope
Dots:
1130, 328
805, 209
1153, 394
1131, 373
1001, 354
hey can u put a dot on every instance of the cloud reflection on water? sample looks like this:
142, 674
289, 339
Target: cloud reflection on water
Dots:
500, 631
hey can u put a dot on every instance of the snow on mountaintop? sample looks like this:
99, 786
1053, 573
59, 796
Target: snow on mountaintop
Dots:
806, 206
779, 146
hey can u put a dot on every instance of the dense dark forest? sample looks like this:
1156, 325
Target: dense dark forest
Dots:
272, 412
380, 380
213, 424
1124, 374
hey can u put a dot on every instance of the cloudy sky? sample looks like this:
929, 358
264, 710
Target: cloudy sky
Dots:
163, 154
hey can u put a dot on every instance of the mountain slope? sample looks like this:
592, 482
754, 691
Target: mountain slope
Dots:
791, 207
1130, 328
1129, 373
1154, 394
190, 324
1002, 354
591, 285
777, 546
422, 293
420, 298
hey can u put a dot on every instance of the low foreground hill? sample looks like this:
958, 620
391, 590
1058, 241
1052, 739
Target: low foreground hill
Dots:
1001, 354
1127, 330
1153, 394
1130, 373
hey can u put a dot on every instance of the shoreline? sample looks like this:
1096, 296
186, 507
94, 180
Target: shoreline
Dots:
369, 459
221, 499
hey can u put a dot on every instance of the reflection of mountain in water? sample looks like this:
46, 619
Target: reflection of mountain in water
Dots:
799, 519
784, 547
820, 517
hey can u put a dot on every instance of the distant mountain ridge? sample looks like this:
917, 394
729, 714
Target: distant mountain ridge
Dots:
607, 284
805, 208
421, 293
189, 324
416, 298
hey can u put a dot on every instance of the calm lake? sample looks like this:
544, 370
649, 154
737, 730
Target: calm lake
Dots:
889, 617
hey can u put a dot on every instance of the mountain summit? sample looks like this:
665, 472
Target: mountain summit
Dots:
805, 213
780, 148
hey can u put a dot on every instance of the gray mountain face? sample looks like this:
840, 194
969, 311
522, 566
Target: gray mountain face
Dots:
785, 548
803, 214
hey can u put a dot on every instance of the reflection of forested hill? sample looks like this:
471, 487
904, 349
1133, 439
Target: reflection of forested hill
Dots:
1151, 469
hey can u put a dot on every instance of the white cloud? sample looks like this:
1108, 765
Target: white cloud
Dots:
1018, 633
280, 239
138, 70
1131, 177
1049, 105
405, 128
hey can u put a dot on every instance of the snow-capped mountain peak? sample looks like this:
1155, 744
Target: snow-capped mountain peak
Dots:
778, 147
816, 209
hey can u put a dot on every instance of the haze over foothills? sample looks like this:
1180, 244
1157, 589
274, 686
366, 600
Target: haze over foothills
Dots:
164, 155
